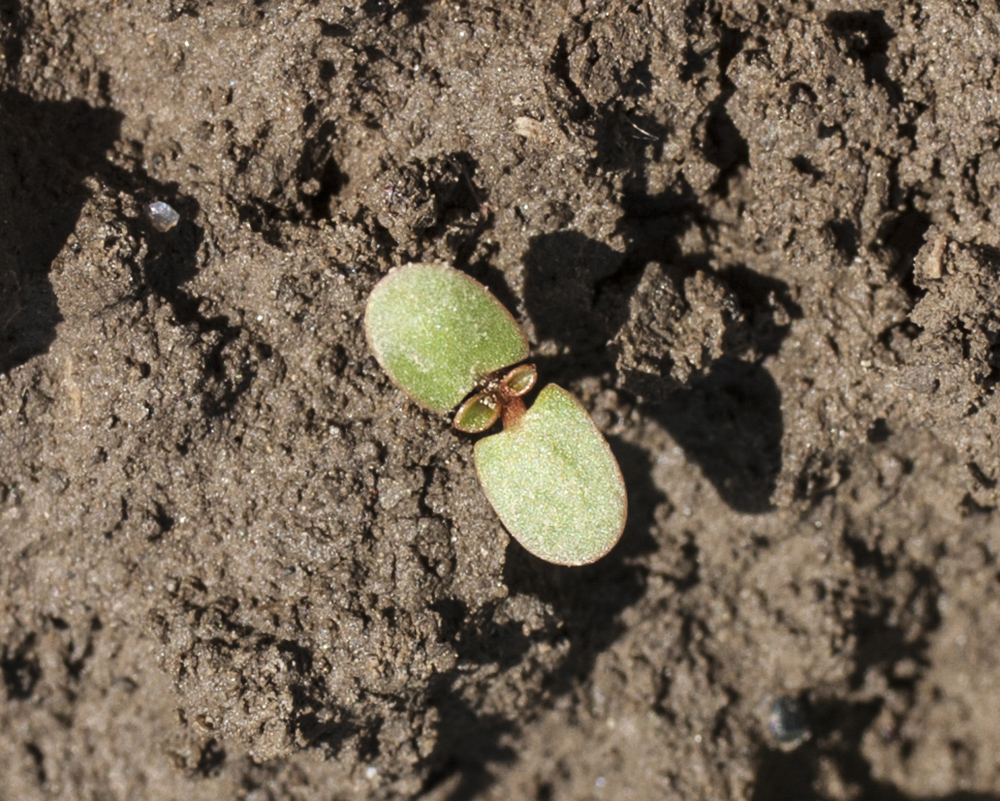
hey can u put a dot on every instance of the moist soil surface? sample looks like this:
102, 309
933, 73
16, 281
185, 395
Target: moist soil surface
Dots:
757, 240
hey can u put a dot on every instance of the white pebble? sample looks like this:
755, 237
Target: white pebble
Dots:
162, 215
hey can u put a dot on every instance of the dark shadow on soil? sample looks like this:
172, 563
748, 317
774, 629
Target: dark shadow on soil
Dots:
14, 22
414, 10
172, 260
864, 36
577, 293
46, 151
722, 143
318, 170
730, 424
588, 600
20, 669
468, 740
838, 727
562, 273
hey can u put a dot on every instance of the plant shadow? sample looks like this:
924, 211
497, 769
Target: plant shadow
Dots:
587, 600
729, 420
577, 295
730, 424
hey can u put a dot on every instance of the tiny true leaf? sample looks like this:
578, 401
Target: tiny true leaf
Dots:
477, 414
519, 381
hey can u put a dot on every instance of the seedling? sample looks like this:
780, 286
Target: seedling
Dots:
551, 477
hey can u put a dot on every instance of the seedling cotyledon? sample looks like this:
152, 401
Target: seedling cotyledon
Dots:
442, 338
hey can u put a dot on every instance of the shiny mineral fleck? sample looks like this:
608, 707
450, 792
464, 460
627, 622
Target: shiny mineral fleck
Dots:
788, 722
162, 215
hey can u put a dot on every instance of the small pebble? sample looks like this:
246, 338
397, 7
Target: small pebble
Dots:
788, 722
162, 215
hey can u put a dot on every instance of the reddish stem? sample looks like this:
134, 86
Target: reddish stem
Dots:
513, 410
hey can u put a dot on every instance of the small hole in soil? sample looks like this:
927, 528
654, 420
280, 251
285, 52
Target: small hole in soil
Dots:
879, 431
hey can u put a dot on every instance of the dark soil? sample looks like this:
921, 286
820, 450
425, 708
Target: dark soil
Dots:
758, 240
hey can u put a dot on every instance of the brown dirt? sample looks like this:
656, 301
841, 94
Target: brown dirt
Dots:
236, 563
